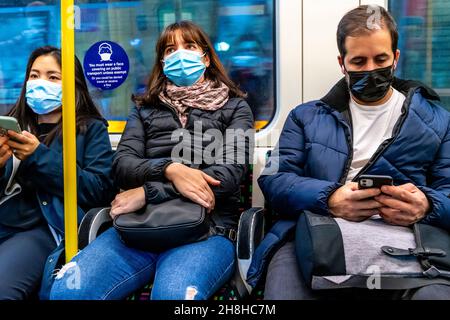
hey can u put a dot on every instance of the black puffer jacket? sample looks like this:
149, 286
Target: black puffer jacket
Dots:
151, 134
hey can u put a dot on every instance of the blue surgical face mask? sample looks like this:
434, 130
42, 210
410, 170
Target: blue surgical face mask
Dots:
184, 67
43, 96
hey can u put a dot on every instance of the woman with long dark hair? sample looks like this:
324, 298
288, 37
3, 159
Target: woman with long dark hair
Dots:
31, 172
188, 92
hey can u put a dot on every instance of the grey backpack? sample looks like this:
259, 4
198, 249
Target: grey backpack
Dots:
335, 253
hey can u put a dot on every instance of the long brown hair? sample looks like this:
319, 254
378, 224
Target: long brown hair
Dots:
85, 108
190, 33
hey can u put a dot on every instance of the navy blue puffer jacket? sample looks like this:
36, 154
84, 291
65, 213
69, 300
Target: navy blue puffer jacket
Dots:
314, 153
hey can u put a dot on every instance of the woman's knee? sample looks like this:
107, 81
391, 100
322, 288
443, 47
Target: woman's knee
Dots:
173, 291
67, 284
10, 291
194, 272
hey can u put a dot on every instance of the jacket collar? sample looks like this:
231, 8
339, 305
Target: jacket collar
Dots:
339, 96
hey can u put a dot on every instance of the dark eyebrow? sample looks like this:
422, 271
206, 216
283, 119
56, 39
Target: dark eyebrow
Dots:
383, 55
170, 42
53, 72
358, 57
34, 70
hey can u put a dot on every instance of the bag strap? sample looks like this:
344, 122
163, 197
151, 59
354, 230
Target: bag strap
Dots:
229, 233
386, 283
422, 253
409, 283
432, 272
417, 252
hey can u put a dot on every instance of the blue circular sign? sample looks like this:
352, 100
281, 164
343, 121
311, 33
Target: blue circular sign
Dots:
106, 65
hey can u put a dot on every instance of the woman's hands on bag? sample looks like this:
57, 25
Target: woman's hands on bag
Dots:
5, 151
127, 202
23, 145
192, 184
350, 203
403, 205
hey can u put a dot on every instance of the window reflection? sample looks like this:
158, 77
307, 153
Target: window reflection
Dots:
24, 27
424, 27
241, 30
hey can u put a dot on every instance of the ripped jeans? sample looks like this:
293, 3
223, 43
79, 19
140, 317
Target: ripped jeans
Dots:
109, 270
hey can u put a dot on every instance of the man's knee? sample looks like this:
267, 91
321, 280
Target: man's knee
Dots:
284, 280
432, 292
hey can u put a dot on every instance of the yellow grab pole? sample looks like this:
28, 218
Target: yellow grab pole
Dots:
69, 131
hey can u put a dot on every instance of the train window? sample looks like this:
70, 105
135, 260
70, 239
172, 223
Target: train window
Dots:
424, 28
25, 25
242, 32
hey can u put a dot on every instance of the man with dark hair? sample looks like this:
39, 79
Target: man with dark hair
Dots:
369, 123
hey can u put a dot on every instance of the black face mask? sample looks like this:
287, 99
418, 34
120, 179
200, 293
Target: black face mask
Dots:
370, 86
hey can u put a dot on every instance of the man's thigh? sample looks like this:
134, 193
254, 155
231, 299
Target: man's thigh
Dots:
284, 280
432, 292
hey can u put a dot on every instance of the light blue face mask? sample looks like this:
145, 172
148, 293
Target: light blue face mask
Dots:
184, 67
43, 96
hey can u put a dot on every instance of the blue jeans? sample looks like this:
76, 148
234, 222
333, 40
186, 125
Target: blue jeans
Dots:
22, 259
107, 269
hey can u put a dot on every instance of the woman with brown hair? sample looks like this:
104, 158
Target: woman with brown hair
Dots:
188, 95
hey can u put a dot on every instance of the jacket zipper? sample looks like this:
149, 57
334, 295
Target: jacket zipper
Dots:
175, 116
386, 143
349, 139
177, 119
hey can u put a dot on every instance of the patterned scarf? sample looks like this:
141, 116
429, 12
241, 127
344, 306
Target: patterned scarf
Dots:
201, 96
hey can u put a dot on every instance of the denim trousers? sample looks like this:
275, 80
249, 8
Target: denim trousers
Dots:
22, 259
109, 270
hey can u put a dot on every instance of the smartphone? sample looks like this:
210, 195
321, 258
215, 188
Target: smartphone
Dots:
366, 181
8, 123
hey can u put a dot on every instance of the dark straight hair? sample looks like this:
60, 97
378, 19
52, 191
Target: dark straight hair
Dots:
190, 33
364, 20
84, 106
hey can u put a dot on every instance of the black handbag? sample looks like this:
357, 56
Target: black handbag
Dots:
159, 227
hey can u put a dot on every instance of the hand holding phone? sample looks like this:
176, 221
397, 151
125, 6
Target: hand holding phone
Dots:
5, 151
366, 181
23, 144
